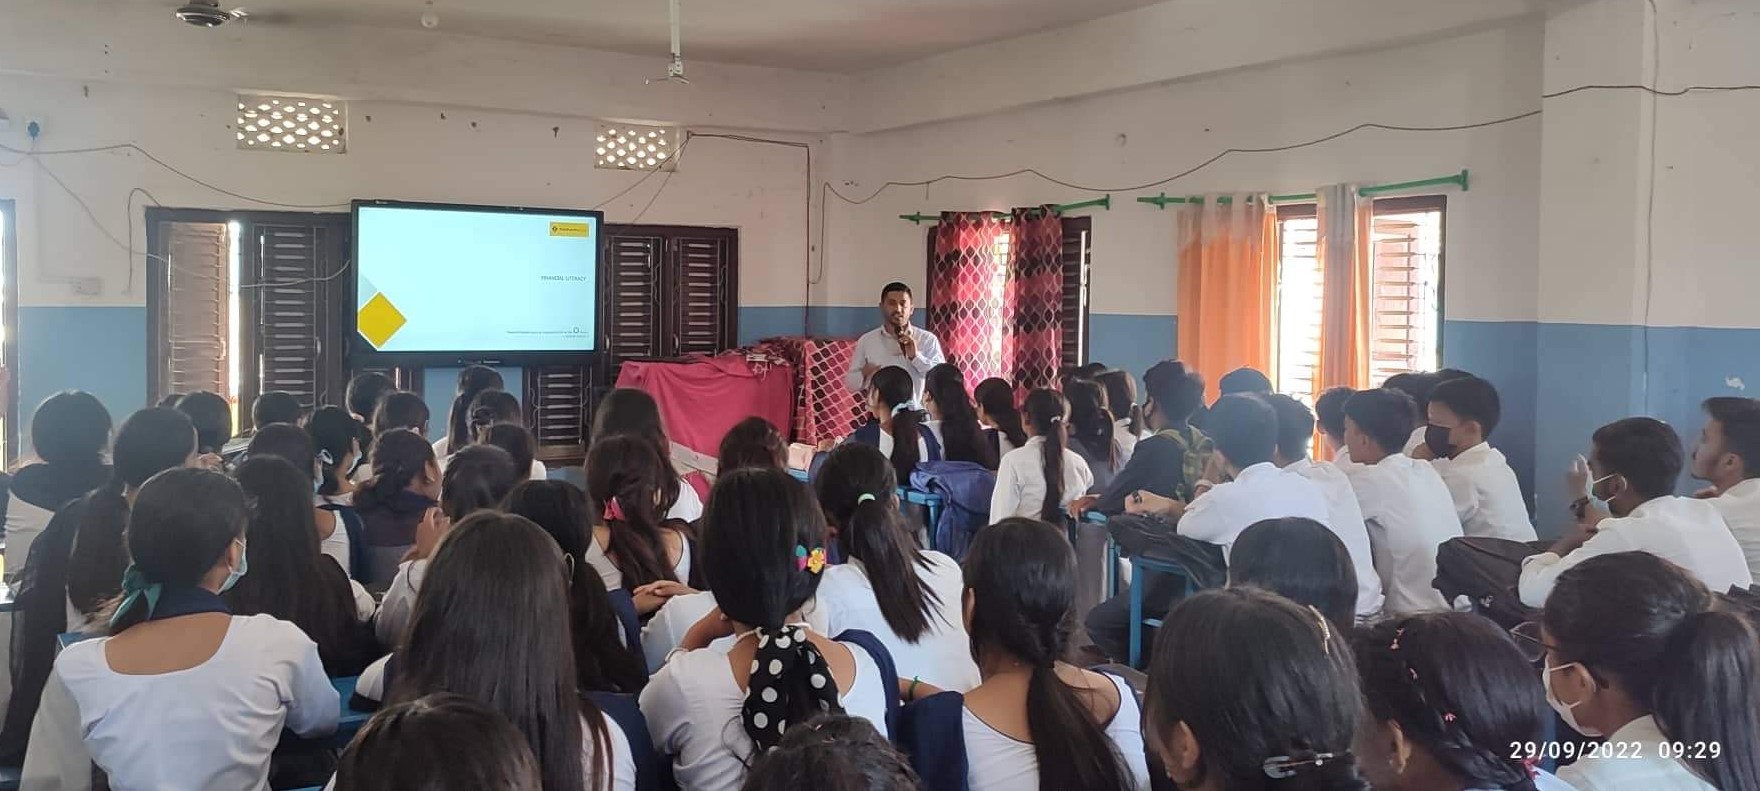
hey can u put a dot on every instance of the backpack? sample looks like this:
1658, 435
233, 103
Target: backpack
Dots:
1487, 571
1195, 452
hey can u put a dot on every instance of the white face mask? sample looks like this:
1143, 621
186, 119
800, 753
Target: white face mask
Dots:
1565, 712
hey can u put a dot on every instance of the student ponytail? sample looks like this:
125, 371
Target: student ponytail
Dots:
1091, 425
997, 398
1658, 632
1045, 410
624, 482
399, 455
858, 493
893, 387
1121, 399
962, 437
490, 408
335, 435
472, 380
477, 478
1022, 578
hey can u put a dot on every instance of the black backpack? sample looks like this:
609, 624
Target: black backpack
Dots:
1487, 571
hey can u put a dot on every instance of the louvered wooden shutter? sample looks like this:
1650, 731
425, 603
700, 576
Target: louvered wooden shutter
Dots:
1075, 257
557, 398
196, 307
297, 303
702, 291
1405, 307
631, 308
1300, 294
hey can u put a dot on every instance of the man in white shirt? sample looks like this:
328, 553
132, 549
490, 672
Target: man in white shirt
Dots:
1406, 506
1462, 415
1329, 413
1295, 429
894, 342
1632, 466
1730, 438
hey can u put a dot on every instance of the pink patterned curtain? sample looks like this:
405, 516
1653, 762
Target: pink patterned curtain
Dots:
966, 293
1034, 316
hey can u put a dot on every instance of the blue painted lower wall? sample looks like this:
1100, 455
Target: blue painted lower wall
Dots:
101, 350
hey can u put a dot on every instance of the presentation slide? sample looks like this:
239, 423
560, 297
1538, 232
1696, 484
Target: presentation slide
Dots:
445, 279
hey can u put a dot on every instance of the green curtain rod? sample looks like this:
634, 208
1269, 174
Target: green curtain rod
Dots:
1458, 179
1104, 202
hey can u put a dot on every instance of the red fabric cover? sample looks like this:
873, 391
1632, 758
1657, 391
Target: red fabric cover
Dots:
823, 407
1034, 323
701, 398
967, 295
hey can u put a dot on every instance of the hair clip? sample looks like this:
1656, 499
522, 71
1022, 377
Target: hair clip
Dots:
1325, 630
809, 561
1448, 716
613, 511
326, 459
1056, 419
908, 406
865, 498
1284, 766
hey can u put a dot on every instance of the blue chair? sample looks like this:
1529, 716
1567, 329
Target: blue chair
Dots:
1097, 518
1141, 568
931, 502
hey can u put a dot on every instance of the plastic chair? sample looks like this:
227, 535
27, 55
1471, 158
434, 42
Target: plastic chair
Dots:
1142, 569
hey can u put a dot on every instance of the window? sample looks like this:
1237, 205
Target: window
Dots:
242, 303
295, 124
9, 446
1077, 260
636, 147
1405, 302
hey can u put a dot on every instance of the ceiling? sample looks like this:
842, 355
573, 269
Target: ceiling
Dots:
823, 35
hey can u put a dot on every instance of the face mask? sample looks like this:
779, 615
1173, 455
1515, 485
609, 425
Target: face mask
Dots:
1436, 437
1595, 500
244, 565
1567, 713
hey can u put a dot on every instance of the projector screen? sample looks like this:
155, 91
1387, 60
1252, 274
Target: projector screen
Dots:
474, 282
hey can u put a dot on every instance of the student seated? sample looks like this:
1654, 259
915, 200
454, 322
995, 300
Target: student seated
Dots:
893, 411
632, 545
365, 392
401, 410
403, 490
714, 710
496, 419
1035, 721
276, 407
290, 579
1406, 506
1300, 560
70, 433
1417, 386
336, 438
1092, 432
183, 694
1638, 651
472, 380
1170, 461
752, 443
518, 443
1329, 413
832, 752
1249, 691
1462, 414
77, 563
953, 419
1121, 400
492, 624
212, 416
994, 400
1041, 478
1449, 701
907, 597
438, 742
295, 446
1295, 429
632, 413
1730, 438
1632, 468
1245, 380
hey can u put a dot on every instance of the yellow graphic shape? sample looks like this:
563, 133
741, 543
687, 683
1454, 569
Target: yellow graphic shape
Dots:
378, 320
579, 230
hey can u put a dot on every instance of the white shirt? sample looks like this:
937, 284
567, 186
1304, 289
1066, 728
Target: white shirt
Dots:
879, 347
536, 472
24, 522
1345, 520
613, 576
1686, 532
1740, 506
399, 604
885, 445
941, 656
1416, 440
689, 507
210, 726
997, 762
667, 628
1409, 513
693, 710
1125, 440
1259, 492
1020, 481
1486, 495
1637, 762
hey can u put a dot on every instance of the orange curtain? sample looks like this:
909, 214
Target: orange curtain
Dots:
1345, 248
1227, 279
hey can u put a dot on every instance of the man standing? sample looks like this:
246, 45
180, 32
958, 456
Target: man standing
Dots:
894, 342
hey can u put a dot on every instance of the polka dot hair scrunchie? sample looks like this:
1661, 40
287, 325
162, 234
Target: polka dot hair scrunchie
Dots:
786, 664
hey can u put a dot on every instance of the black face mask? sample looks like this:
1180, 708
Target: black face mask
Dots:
1436, 437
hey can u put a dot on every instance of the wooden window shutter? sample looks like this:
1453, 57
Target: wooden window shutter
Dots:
556, 400
1404, 322
1299, 301
1077, 233
631, 309
703, 291
297, 297
194, 319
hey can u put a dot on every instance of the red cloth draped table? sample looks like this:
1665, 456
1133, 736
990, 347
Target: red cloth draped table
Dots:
701, 398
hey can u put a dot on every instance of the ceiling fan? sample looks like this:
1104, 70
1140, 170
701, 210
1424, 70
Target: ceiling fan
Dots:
209, 14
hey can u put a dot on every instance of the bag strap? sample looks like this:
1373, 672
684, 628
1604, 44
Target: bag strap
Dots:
883, 658
931, 733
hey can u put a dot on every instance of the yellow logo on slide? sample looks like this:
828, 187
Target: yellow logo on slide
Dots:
576, 229
378, 320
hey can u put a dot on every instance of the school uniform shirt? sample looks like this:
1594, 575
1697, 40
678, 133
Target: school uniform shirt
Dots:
879, 347
336, 547
1416, 440
399, 604
210, 726
537, 472
36, 493
689, 507
1636, 761
1259, 492
1486, 495
1409, 513
1740, 507
1687, 532
693, 710
1126, 441
1020, 481
667, 628
613, 576
997, 762
941, 656
1345, 520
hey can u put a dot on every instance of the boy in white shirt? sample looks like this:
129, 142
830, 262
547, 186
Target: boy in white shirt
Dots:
1730, 438
1295, 429
1463, 413
1632, 468
1329, 413
1406, 506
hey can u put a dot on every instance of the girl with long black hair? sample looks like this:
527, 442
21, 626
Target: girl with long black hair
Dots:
627, 412
895, 413
183, 693
907, 597
1121, 400
472, 379
1091, 430
402, 494
634, 546
1039, 479
714, 711
953, 418
998, 413
438, 742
